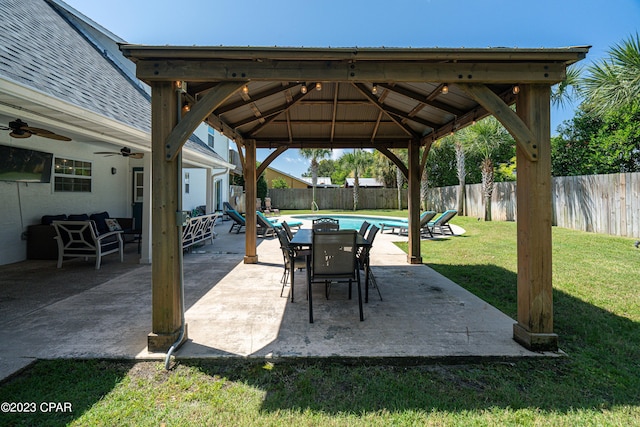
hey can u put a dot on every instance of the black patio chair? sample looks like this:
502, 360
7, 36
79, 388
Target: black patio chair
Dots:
333, 259
287, 229
292, 260
364, 263
325, 224
363, 228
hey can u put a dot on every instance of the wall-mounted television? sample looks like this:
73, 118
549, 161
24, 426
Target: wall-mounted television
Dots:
21, 164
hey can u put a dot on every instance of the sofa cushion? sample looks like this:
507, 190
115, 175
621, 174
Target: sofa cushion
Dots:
78, 217
48, 219
99, 218
113, 224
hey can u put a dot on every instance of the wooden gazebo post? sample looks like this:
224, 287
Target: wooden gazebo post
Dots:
534, 329
251, 253
414, 256
166, 246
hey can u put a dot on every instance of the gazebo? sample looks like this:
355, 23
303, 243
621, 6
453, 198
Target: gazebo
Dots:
375, 98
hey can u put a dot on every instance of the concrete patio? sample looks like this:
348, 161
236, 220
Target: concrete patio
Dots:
235, 310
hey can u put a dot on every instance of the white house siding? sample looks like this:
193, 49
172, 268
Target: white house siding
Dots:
23, 204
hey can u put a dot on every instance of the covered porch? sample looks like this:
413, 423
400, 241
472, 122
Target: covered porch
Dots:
377, 98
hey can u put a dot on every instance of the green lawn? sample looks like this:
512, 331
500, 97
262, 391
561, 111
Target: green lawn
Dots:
597, 317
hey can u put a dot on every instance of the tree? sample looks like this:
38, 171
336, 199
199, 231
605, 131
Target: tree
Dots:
487, 137
568, 90
357, 161
279, 183
314, 154
614, 82
462, 175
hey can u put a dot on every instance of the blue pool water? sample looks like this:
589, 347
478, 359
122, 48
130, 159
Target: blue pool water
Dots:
347, 221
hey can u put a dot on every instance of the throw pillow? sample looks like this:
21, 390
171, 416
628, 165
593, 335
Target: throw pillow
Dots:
113, 224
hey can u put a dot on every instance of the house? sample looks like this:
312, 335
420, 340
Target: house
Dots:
322, 182
364, 182
292, 181
63, 74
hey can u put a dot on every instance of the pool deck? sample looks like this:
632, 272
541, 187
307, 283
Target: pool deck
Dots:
234, 310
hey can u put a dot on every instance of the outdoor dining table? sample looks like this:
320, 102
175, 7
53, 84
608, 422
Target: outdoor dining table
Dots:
303, 239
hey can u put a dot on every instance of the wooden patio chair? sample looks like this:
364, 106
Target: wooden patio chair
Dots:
80, 239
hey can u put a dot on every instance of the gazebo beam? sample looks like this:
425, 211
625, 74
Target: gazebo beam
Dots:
201, 70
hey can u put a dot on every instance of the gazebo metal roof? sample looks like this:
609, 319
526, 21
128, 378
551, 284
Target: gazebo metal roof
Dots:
280, 107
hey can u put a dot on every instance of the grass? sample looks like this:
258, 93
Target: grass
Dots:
597, 317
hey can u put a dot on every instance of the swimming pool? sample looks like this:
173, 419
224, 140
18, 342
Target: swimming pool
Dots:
347, 222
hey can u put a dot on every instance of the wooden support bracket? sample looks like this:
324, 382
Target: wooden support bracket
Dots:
198, 113
505, 115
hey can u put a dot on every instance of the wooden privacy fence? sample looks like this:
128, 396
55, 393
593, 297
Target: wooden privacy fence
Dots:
608, 204
337, 198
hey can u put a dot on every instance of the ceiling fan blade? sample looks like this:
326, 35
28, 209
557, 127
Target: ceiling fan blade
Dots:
136, 155
35, 131
107, 153
55, 136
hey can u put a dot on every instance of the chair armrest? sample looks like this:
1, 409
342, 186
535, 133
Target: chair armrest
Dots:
117, 233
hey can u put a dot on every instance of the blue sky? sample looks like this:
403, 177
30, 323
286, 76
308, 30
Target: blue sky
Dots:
370, 23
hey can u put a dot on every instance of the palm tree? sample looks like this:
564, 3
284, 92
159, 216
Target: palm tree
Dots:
614, 82
386, 171
568, 90
357, 161
462, 175
484, 137
314, 154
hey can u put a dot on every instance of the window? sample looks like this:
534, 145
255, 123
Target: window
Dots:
72, 175
211, 137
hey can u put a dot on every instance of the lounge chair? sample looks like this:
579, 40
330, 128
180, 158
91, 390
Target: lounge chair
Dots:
403, 224
275, 222
265, 227
238, 221
442, 222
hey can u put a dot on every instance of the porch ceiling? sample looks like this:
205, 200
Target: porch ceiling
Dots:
408, 104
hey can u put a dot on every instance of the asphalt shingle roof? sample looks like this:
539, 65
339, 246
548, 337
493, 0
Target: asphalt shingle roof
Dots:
41, 50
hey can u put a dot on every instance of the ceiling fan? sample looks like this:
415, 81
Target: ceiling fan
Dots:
124, 152
20, 129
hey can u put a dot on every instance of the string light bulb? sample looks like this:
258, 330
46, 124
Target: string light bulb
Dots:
303, 89
318, 86
445, 89
374, 89
245, 89
516, 89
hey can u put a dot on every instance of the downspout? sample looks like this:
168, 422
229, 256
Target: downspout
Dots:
179, 219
